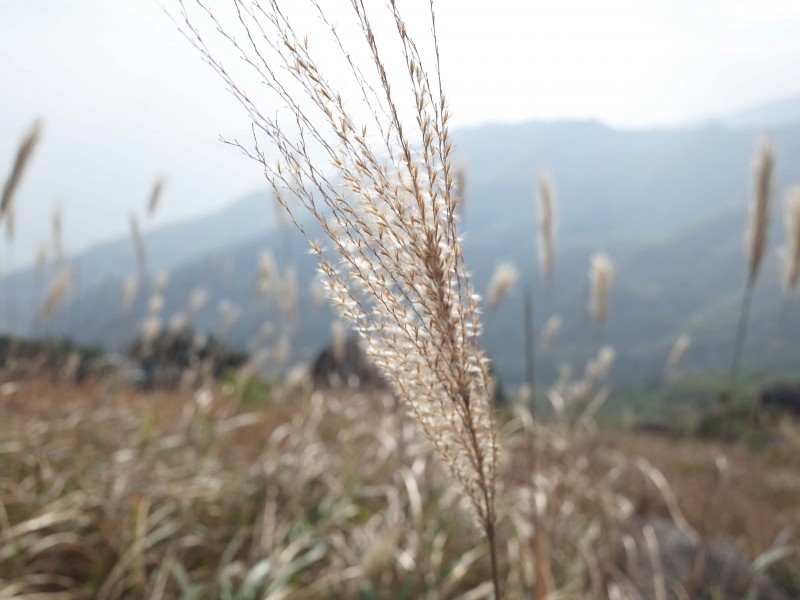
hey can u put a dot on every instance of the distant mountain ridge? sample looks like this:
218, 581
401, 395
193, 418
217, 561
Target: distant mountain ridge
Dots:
669, 207
766, 116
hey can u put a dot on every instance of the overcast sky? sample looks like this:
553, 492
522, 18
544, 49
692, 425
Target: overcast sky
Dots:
124, 98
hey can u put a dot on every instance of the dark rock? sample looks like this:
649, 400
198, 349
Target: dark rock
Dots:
692, 568
651, 427
351, 368
347, 366
784, 397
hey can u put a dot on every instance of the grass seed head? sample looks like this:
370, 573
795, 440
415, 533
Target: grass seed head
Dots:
601, 278
503, 280
23, 157
547, 219
760, 209
790, 253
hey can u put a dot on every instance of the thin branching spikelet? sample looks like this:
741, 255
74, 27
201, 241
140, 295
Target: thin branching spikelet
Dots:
760, 209
790, 253
460, 189
24, 153
392, 261
547, 219
503, 280
601, 278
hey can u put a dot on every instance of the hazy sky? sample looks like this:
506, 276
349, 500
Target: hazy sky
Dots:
124, 98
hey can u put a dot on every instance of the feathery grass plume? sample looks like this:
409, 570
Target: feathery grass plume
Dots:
130, 287
790, 253
41, 260
159, 282
598, 368
58, 291
266, 274
151, 327
24, 153
676, 354
601, 278
155, 197
760, 208
288, 294
197, 301
178, 324
547, 223
58, 240
549, 332
392, 260
227, 315
139, 248
155, 304
503, 280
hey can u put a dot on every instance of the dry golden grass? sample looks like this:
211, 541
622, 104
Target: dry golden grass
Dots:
752, 504
119, 494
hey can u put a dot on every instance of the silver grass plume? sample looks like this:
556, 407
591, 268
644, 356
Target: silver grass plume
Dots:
790, 253
137, 240
503, 280
763, 166
227, 315
130, 288
41, 261
392, 259
758, 228
24, 153
598, 368
601, 278
547, 219
549, 332
155, 197
196, 302
58, 291
159, 282
58, 243
676, 354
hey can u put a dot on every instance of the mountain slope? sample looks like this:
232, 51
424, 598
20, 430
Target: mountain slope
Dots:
669, 206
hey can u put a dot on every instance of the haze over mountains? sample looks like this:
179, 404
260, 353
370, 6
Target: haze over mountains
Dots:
669, 206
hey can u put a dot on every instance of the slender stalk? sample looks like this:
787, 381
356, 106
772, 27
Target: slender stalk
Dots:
529, 342
488, 526
738, 347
